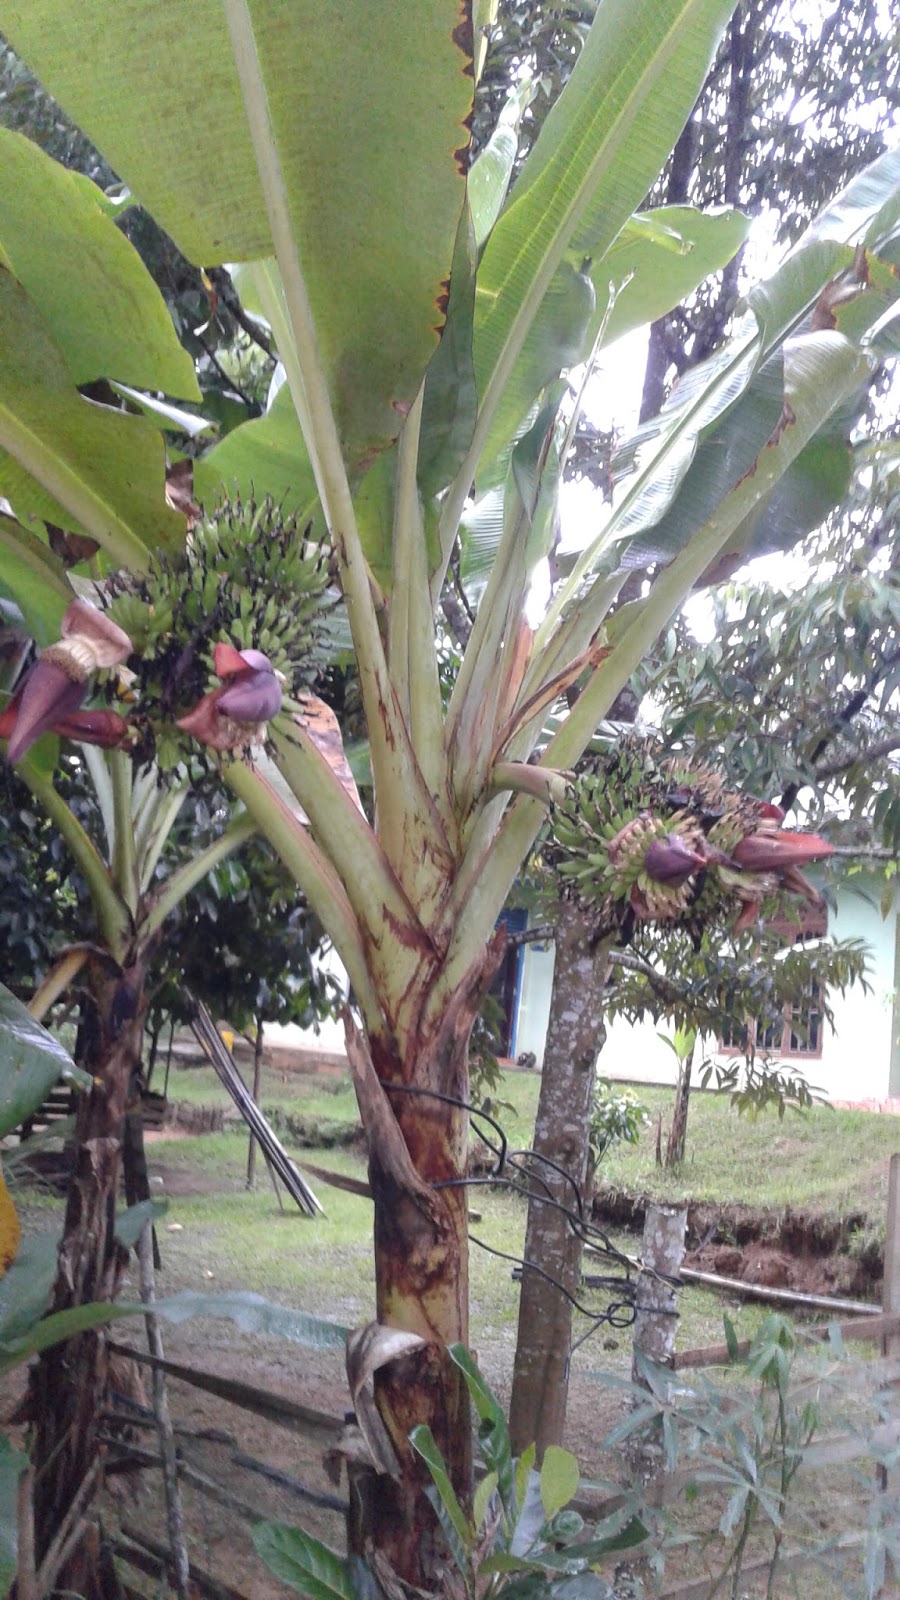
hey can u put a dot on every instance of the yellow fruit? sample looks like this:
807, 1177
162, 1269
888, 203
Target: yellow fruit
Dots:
10, 1229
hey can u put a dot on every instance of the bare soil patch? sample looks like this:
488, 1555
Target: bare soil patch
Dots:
790, 1248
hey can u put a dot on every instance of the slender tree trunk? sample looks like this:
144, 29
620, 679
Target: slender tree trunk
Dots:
562, 1132
69, 1379
153, 1052
656, 1303
659, 347
675, 1145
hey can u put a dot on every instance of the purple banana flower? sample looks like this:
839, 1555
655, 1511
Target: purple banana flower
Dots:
57, 685
48, 694
248, 697
671, 861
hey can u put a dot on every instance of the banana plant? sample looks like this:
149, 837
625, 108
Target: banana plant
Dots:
426, 311
131, 897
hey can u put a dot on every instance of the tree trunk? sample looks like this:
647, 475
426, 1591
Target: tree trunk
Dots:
675, 1144
656, 1303
68, 1381
413, 1101
562, 1132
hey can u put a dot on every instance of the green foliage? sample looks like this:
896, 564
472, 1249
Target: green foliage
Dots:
243, 942
617, 1117
40, 908
796, 688
518, 1542
744, 1438
30, 1332
31, 1062
305, 1563
727, 979
12, 1464
756, 1084
485, 1073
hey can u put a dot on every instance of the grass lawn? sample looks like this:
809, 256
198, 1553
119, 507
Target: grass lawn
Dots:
833, 1160
232, 1239
226, 1238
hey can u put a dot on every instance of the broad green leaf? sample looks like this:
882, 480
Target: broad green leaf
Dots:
724, 455
493, 1433
26, 1285
821, 371
810, 486
599, 152
374, 506
61, 1325
491, 171
530, 1520
130, 1223
457, 1530
482, 529
524, 1468
303, 1562
86, 279
658, 258
34, 577
803, 497
866, 211
663, 449
559, 1479
450, 403
652, 274
253, 1314
266, 456
482, 1499
619, 1538
31, 1062
106, 468
12, 1465
363, 132
861, 210
556, 341
42, 761
250, 1312
884, 335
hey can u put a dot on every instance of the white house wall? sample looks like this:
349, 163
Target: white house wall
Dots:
855, 1062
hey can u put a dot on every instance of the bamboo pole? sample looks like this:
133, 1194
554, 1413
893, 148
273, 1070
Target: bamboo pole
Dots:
174, 1509
785, 1297
257, 1075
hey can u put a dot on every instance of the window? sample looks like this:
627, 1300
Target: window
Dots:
803, 1030
800, 1032
798, 1035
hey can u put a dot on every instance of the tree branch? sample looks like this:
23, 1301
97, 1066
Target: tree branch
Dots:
866, 852
881, 747
850, 710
